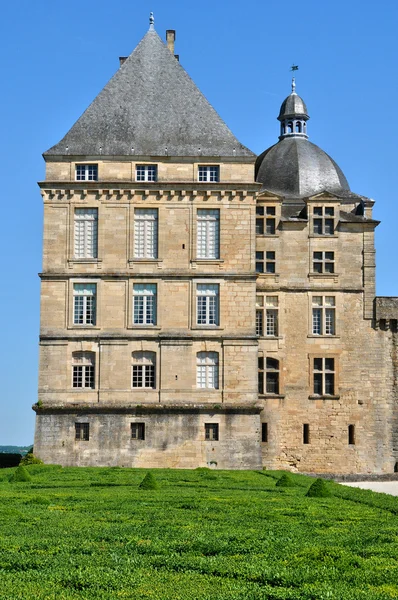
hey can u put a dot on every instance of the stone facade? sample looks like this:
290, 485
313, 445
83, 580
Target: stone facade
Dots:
305, 356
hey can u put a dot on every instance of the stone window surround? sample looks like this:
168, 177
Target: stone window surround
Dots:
337, 311
324, 203
321, 354
193, 313
264, 354
91, 280
71, 237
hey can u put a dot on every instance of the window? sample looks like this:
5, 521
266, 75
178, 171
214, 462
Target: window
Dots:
210, 173
271, 375
83, 370
146, 172
306, 433
264, 432
208, 233
266, 265
86, 172
143, 370
82, 432
146, 233
323, 315
324, 376
207, 298
207, 370
86, 232
267, 316
351, 435
138, 431
323, 220
323, 262
265, 220
211, 432
84, 304
144, 304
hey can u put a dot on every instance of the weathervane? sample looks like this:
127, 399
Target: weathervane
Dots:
294, 68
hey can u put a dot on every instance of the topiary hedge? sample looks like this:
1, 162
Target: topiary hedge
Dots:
319, 489
149, 482
285, 481
31, 459
20, 474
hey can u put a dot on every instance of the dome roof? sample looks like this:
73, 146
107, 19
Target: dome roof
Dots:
293, 105
296, 167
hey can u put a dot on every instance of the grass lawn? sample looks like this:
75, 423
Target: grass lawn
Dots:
202, 535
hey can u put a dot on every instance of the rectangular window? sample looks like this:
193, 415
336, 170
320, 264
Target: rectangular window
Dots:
323, 220
86, 172
324, 376
267, 316
209, 173
144, 303
83, 370
265, 220
207, 304
259, 262
208, 233
138, 431
82, 432
351, 435
264, 432
146, 233
260, 315
84, 303
270, 220
323, 262
260, 220
86, 232
323, 315
207, 370
146, 172
211, 432
306, 433
268, 373
270, 262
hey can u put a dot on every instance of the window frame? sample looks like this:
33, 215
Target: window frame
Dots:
323, 316
143, 370
324, 220
324, 377
267, 306
90, 251
208, 173
137, 431
207, 370
323, 261
82, 432
86, 171
206, 249
212, 432
266, 373
145, 237
210, 310
149, 313
266, 220
149, 171
86, 365
85, 308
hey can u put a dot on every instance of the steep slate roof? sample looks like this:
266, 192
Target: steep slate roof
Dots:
150, 104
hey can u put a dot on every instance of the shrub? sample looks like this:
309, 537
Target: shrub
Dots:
30, 459
285, 481
8, 460
149, 482
20, 474
319, 489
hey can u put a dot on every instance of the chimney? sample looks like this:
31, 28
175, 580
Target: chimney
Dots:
122, 60
170, 39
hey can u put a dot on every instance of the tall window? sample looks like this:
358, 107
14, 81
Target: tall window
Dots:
207, 370
86, 172
83, 370
84, 303
323, 220
211, 432
207, 303
267, 316
82, 432
144, 304
265, 220
146, 233
86, 232
324, 376
143, 370
146, 173
210, 173
208, 230
268, 375
323, 262
323, 315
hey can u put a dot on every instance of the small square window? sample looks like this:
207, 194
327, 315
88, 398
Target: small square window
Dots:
209, 173
211, 432
82, 432
86, 172
138, 431
146, 172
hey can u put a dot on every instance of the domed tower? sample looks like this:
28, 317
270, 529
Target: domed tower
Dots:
294, 166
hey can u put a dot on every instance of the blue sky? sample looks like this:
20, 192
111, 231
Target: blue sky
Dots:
56, 56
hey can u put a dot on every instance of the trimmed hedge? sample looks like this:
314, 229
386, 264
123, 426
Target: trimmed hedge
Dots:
8, 460
149, 482
319, 489
20, 474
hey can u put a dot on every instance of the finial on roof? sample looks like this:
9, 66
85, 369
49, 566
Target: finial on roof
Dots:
151, 22
293, 85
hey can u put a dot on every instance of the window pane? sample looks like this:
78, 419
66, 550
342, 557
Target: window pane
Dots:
329, 226
318, 383
317, 321
329, 383
318, 226
318, 364
329, 364
272, 383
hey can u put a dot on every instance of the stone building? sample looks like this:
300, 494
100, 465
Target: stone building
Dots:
199, 306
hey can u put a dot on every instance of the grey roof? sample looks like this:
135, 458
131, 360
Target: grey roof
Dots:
150, 104
296, 167
292, 106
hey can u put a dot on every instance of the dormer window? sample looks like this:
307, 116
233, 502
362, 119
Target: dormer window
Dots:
323, 220
209, 173
86, 172
146, 173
